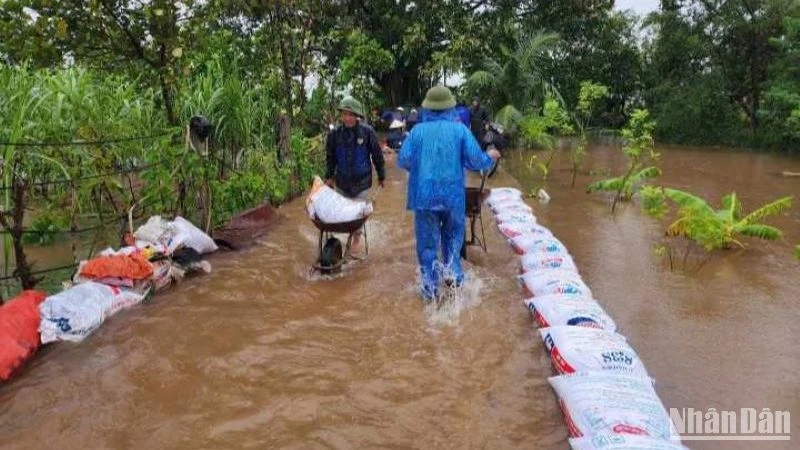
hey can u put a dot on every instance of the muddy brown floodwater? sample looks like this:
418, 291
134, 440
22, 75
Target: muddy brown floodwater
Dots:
260, 354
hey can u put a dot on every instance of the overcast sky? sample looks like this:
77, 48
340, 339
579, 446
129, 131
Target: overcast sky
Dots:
641, 7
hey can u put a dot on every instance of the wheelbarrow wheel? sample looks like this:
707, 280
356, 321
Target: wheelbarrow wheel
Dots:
332, 254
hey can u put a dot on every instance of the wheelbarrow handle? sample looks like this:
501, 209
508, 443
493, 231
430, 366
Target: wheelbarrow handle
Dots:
484, 173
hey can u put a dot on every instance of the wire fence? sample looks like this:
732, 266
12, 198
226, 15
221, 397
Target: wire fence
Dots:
87, 143
77, 182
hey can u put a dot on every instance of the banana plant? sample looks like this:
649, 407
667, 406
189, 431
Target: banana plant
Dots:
626, 185
724, 227
639, 146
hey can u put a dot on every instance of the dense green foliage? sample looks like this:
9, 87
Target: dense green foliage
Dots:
710, 72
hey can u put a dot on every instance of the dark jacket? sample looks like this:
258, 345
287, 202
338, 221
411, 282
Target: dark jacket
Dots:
349, 151
478, 122
395, 139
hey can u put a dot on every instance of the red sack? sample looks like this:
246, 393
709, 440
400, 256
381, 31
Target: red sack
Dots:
19, 331
134, 267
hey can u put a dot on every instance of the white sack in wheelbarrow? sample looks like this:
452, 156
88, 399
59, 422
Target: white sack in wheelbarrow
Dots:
188, 235
579, 349
73, 314
576, 311
596, 403
555, 282
329, 206
623, 442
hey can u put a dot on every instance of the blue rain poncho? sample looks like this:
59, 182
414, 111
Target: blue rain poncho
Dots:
435, 153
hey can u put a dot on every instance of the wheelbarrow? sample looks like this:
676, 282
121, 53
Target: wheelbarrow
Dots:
331, 255
474, 200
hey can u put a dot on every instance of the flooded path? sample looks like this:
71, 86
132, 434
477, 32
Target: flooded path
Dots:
261, 355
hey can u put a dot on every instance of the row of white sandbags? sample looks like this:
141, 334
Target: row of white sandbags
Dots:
604, 390
76, 312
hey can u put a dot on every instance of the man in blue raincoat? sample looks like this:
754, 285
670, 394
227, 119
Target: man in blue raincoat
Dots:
435, 153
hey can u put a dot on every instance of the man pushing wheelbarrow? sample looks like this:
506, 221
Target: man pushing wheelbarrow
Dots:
351, 151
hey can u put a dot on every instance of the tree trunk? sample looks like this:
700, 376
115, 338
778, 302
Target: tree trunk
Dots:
284, 138
166, 92
15, 229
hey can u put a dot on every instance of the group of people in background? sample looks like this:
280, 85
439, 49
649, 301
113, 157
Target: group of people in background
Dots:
400, 123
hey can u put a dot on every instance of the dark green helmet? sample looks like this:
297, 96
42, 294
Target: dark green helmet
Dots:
352, 105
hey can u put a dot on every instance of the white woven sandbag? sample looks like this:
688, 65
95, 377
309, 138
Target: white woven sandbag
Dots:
497, 195
596, 403
532, 262
73, 314
623, 442
576, 311
329, 206
188, 235
537, 244
555, 281
515, 217
511, 206
580, 349
156, 230
512, 229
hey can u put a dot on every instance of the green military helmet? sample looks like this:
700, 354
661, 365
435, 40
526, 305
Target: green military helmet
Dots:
439, 98
352, 105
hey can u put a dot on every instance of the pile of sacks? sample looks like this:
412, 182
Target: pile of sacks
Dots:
604, 391
160, 255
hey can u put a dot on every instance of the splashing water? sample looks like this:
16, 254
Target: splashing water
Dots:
452, 301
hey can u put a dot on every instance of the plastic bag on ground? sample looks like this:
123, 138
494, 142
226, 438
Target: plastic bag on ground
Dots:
533, 262
188, 235
73, 314
579, 349
329, 206
19, 331
536, 244
623, 442
554, 282
511, 229
576, 311
596, 403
